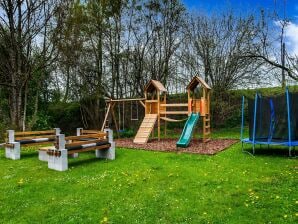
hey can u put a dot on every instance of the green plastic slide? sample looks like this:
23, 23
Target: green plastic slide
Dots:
185, 137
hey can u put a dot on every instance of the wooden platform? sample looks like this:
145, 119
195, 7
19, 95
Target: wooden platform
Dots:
145, 129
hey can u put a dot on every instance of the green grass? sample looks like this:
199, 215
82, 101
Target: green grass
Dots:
152, 187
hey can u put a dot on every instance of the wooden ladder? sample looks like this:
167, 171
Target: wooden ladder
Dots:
145, 129
206, 128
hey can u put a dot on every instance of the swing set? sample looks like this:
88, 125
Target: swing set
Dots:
110, 110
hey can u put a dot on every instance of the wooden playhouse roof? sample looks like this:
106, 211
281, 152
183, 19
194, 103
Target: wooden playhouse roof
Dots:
154, 84
196, 81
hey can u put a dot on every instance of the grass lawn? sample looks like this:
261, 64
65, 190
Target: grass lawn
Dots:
152, 187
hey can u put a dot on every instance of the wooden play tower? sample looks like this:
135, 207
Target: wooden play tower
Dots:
156, 108
199, 102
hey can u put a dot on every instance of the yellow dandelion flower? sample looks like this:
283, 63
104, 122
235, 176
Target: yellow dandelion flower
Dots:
21, 181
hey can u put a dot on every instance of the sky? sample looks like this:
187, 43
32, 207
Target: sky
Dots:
244, 6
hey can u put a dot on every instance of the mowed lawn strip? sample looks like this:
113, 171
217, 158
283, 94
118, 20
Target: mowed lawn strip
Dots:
152, 187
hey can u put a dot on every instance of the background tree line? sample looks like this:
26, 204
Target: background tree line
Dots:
60, 59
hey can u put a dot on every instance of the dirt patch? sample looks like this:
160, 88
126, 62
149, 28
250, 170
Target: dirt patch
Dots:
169, 145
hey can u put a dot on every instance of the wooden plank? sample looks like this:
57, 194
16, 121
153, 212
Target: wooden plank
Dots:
141, 102
140, 140
142, 135
99, 135
34, 137
106, 117
150, 115
146, 124
37, 143
174, 105
175, 112
91, 131
88, 149
145, 129
83, 142
151, 101
126, 100
142, 128
46, 148
34, 132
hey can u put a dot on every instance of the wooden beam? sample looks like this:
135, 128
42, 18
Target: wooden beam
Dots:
115, 121
99, 135
34, 132
106, 117
141, 102
126, 100
158, 116
34, 137
174, 105
84, 142
90, 131
38, 143
89, 149
174, 112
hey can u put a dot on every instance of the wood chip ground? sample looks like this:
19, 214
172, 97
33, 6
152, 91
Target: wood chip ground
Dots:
169, 145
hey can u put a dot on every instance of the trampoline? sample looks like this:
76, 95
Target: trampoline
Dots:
272, 121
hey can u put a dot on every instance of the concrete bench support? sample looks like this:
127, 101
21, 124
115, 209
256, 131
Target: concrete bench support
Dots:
59, 162
14, 152
43, 156
107, 153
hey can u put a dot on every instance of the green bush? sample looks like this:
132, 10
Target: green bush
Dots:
42, 122
128, 133
66, 116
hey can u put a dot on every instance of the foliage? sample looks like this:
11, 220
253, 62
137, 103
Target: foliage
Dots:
43, 122
127, 133
66, 116
152, 187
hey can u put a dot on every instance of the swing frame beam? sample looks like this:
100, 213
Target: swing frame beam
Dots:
111, 104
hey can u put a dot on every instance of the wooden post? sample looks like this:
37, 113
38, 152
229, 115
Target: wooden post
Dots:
115, 121
165, 102
158, 114
146, 109
106, 117
189, 101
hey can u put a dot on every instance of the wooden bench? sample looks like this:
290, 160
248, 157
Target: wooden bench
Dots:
102, 143
17, 139
85, 135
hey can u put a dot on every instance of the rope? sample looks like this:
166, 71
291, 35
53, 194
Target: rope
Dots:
172, 120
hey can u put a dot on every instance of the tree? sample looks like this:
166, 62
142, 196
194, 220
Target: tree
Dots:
219, 42
21, 24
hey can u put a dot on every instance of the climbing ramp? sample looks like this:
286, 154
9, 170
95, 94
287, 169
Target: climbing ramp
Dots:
145, 129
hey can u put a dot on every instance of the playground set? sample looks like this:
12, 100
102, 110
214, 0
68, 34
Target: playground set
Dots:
157, 109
